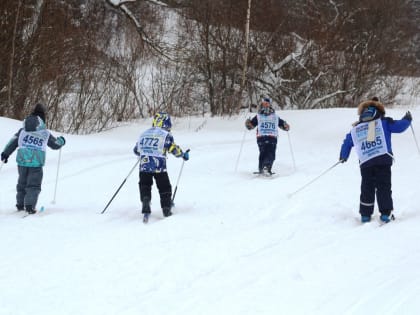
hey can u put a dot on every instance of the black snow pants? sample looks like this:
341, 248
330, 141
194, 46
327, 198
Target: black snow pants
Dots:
163, 184
376, 180
267, 147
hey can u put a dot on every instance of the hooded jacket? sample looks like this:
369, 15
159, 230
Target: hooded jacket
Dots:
387, 124
31, 141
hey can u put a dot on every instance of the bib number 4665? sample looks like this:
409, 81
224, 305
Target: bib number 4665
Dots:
366, 145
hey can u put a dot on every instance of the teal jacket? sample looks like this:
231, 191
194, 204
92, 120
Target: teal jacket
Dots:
31, 141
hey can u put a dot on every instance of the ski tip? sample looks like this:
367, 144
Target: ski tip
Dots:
42, 209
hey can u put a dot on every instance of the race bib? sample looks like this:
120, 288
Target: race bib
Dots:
267, 125
34, 140
365, 149
152, 142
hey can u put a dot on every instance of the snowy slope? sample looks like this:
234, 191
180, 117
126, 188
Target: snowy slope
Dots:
237, 244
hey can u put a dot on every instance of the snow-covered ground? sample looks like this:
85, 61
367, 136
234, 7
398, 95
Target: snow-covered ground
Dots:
237, 244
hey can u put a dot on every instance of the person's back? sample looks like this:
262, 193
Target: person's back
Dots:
151, 148
31, 141
371, 137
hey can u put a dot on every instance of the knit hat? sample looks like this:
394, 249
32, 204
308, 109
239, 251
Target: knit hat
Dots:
266, 102
39, 111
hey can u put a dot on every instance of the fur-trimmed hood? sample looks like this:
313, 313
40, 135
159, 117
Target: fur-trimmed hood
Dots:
379, 106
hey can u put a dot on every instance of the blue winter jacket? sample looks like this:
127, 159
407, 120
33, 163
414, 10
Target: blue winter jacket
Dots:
31, 141
389, 126
151, 148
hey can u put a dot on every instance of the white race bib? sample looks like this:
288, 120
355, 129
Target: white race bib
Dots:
267, 125
365, 149
152, 142
34, 140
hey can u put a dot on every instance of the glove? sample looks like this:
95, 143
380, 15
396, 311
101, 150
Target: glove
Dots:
186, 156
408, 116
248, 124
286, 126
61, 141
342, 160
4, 157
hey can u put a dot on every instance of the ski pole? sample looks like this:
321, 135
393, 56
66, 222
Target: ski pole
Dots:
177, 182
122, 184
291, 152
240, 151
323, 173
415, 138
56, 177
1, 165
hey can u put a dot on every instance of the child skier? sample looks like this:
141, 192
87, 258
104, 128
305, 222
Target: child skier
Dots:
151, 147
267, 133
31, 141
371, 136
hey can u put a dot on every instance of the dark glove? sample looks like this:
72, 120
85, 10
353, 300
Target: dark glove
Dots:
286, 126
248, 124
186, 155
4, 157
408, 116
61, 141
342, 160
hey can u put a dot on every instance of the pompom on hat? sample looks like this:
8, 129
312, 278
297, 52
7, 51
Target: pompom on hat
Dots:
39, 111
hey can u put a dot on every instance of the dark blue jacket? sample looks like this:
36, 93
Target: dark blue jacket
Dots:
390, 126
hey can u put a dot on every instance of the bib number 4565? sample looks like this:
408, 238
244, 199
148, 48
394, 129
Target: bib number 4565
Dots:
31, 140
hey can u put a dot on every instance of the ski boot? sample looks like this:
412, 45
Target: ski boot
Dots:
365, 218
385, 218
146, 209
166, 212
30, 209
146, 218
20, 207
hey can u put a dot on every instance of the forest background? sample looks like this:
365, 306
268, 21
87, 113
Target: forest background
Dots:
97, 63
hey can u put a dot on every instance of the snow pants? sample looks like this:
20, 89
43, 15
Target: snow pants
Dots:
267, 146
163, 184
28, 186
376, 180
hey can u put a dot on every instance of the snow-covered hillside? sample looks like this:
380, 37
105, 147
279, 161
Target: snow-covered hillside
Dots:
237, 244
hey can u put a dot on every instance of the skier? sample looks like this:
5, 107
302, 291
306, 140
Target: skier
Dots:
371, 136
267, 132
151, 147
31, 141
